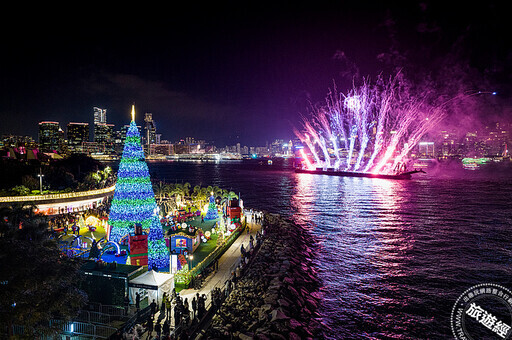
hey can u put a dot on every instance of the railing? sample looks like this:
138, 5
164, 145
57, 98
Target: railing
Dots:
93, 317
139, 317
113, 311
70, 329
88, 329
187, 277
36, 198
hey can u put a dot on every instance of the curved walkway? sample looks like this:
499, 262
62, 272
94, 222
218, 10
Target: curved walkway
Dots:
227, 264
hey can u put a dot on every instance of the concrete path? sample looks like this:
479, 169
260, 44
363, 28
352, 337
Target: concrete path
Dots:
227, 264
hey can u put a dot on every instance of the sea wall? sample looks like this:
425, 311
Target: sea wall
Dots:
278, 295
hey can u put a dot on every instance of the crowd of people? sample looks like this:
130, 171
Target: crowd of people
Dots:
177, 315
68, 223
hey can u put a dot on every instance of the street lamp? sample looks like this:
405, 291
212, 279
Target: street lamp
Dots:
190, 258
40, 175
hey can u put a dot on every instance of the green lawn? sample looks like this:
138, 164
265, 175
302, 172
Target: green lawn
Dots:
204, 249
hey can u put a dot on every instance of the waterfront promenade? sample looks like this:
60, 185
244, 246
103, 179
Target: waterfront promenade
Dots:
227, 265
63, 203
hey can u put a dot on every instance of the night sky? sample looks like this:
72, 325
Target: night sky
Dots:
241, 73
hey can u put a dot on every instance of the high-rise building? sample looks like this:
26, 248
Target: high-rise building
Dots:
426, 149
100, 115
149, 129
50, 136
78, 134
104, 136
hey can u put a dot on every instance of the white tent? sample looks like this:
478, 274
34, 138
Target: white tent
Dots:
151, 284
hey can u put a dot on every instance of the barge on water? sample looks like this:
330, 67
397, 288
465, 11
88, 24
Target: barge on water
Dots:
332, 172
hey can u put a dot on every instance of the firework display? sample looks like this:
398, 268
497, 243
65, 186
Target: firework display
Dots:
372, 128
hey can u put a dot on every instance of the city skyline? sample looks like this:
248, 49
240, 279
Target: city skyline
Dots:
244, 74
490, 141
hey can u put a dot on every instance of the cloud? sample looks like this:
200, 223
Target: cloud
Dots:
128, 84
177, 113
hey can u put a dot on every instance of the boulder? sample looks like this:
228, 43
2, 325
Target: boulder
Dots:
293, 336
243, 336
288, 280
283, 303
295, 324
278, 314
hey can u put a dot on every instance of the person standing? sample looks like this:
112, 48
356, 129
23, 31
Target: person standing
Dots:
168, 306
153, 308
194, 306
165, 328
230, 286
162, 306
177, 316
137, 301
158, 329
149, 326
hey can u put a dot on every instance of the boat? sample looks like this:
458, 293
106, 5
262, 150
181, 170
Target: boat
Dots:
332, 172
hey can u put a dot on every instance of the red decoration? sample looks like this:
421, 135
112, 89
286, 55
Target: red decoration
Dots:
138, 249
182, 259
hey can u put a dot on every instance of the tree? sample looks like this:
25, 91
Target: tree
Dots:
160, 191
21, 190
134, 201
217, 191
228, 195
37, 283
30, 182
180, 191
200, 196
212, 213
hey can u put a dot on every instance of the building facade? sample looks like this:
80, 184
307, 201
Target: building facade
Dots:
51, 136
100, 115
104, 136
78, 134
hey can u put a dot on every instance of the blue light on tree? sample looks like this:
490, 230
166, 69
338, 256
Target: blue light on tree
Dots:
134, 200
212, 213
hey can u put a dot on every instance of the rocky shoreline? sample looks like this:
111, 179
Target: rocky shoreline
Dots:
279, 293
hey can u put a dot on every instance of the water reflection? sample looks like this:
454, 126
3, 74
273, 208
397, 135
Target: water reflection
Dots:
362, 244
393, 255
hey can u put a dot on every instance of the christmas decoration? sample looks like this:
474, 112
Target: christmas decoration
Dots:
212, 213
134, 200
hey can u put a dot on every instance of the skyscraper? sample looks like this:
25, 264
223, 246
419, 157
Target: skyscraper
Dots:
150, 129
100, 115
104, 136
50, 136
78, 133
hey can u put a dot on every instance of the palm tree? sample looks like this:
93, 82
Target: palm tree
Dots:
228, 195
200, 196
160, 191
179, 191
217, 191
186, 189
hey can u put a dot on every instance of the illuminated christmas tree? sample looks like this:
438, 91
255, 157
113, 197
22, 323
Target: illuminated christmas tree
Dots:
134, 200
212, 213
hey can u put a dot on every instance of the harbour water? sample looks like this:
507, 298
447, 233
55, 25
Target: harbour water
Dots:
393, 256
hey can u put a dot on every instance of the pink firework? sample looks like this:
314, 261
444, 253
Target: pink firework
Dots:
372, 128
